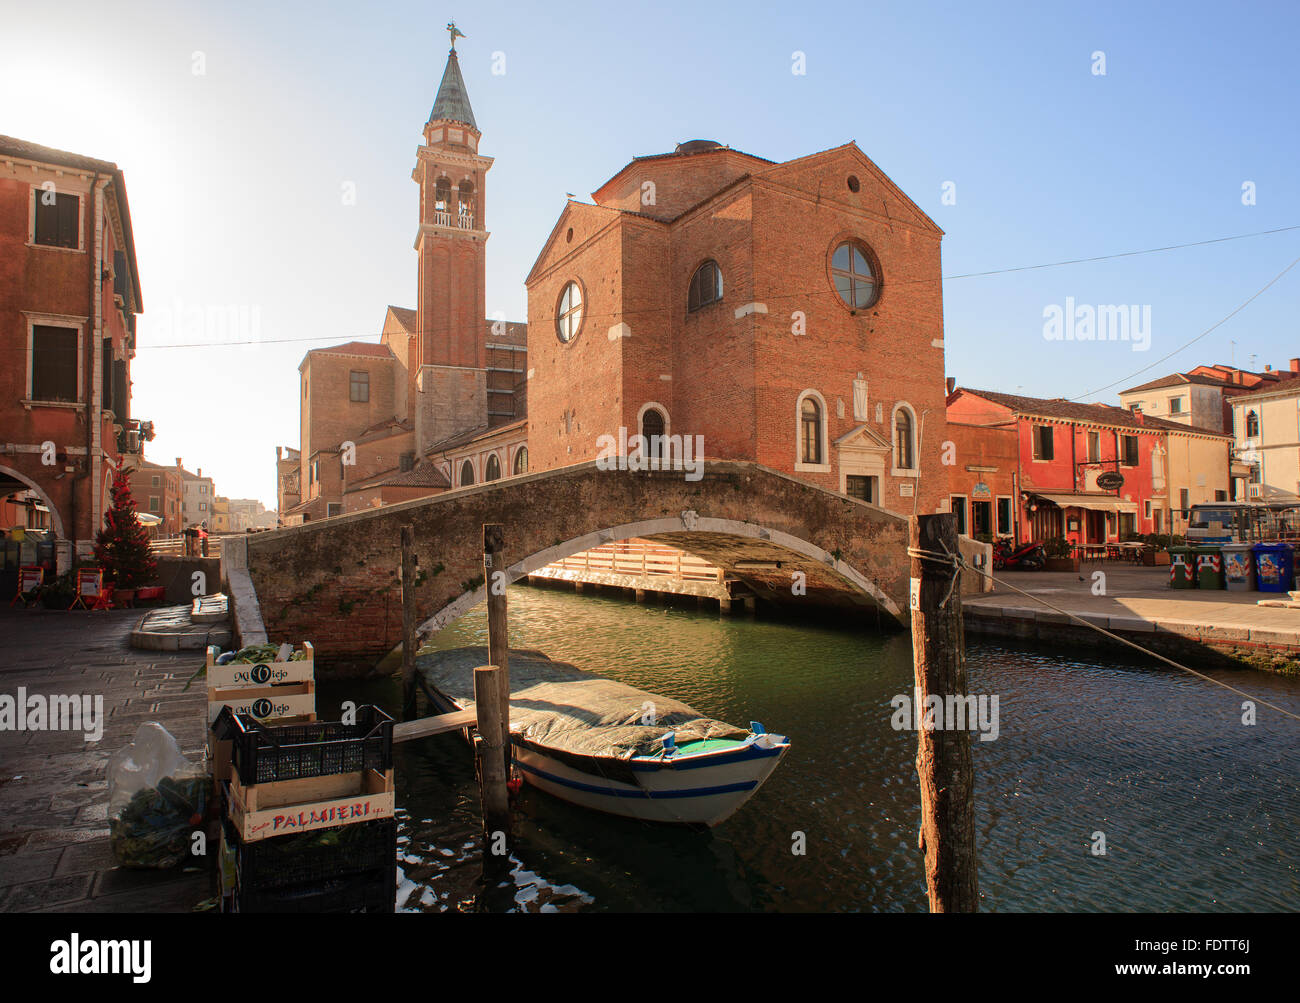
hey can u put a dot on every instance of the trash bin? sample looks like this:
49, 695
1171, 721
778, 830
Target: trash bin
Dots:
1182, 568
1209, 567
1238, 567
1274, 571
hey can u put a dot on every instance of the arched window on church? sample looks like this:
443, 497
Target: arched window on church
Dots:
466, 211
521, 460
706, 286
466, 474
810, 425
652, 427
1252, 424
904, 444
442, 201
493, 470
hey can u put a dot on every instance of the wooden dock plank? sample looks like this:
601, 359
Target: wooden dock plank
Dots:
439, 724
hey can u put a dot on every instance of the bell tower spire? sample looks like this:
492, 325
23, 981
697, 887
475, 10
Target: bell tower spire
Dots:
451, 385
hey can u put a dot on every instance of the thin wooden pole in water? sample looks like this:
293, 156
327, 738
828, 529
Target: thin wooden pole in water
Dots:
494, 578
409, 563
943, 756
491, 763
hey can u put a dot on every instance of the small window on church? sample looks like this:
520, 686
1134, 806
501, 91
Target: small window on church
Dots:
568, 317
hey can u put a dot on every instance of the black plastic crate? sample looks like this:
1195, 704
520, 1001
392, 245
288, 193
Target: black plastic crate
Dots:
266, 753
373, 891
316, 856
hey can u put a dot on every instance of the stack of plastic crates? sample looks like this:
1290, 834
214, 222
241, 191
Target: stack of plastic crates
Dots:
308, 815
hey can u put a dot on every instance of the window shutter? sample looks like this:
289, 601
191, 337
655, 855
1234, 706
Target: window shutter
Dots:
69, 206
119, 274
121, 400
106, 373
47, 219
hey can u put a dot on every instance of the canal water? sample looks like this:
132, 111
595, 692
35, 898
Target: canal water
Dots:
1198, 811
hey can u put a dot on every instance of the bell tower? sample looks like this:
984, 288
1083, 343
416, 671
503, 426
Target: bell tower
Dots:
451, 383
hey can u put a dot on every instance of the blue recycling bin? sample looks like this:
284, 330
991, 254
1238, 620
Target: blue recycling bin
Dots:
1274, 567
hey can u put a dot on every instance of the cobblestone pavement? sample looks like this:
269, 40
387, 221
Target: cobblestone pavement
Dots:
54, 849
1144, 594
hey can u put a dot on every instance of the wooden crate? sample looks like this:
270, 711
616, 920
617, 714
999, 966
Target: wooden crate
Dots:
263, 811
265, 703
245, 674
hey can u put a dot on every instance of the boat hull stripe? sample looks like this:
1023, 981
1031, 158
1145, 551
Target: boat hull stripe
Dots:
747, 785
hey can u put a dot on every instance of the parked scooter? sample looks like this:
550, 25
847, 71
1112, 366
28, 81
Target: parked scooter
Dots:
1026, 557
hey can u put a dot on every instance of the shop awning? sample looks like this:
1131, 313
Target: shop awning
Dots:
1096, 503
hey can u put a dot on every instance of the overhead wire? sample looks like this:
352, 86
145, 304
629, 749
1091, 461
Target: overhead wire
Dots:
820, 291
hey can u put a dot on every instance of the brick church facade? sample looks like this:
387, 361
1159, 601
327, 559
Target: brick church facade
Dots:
789, 313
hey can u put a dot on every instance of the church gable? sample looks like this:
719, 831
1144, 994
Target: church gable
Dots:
577, 224
830, 176
862, 439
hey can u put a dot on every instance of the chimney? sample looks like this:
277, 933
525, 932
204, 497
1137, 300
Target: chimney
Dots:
178, 463
199, 472
1267, 368
952, 380
1295, 365
1141, 418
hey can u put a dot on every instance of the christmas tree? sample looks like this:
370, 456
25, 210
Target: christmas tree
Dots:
122, 546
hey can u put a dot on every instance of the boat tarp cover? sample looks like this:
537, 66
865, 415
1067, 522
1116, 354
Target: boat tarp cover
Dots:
559, 706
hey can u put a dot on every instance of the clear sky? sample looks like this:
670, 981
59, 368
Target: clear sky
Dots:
237, 174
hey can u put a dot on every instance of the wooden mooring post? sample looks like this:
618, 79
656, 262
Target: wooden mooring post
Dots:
491, 761
494, 579
409, 564
943, 756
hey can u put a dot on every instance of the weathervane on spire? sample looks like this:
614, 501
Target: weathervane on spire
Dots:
455, 34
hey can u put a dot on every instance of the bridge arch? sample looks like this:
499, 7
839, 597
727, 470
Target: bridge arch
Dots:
652, 528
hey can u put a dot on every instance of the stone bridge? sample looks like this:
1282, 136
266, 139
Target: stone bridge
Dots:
337, 583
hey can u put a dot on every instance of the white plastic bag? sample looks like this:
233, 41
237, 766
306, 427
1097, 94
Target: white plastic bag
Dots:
156, 798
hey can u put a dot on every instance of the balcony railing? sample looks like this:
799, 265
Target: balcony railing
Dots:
132, 436
463, 221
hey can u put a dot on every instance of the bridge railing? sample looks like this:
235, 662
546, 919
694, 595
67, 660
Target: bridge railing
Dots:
642, 557
175, 546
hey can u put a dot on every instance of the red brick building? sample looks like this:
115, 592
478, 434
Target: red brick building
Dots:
159, 490
1049, 480
789, 313
69, 296
983, 463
